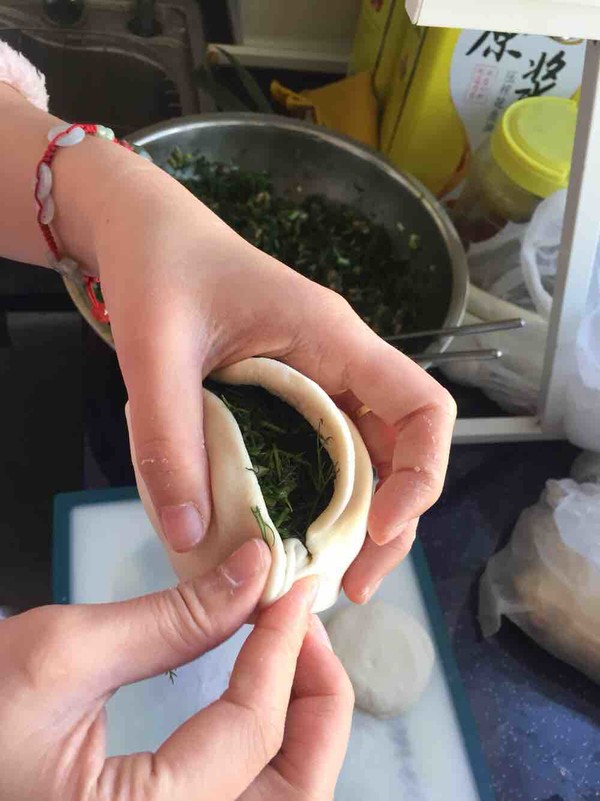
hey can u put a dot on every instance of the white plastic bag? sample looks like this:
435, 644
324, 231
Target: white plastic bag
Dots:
586, 468
540, 249
547, 579
498, 259
518, 264
582, 414
512, 275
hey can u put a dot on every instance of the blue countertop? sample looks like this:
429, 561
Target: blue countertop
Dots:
538, 719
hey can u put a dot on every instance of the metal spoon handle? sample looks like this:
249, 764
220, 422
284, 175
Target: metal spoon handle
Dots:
461, 330
457, 356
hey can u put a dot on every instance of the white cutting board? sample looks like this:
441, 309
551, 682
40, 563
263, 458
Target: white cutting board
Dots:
106, 550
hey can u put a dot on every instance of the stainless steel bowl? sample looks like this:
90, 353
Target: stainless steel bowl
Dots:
302, 159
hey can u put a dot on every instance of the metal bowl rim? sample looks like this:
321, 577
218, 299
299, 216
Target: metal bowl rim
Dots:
456, 253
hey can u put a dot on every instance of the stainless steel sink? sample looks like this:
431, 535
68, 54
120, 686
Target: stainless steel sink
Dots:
99, 71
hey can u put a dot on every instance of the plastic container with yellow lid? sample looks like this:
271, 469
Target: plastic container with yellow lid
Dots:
526, 159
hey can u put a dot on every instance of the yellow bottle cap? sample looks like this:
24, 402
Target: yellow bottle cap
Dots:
533, 143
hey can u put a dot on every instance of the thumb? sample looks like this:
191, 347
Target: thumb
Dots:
165, 421
119, 643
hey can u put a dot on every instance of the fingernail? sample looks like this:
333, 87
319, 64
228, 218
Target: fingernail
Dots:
392, 534
319, 630
246, 562
182, 526
314, 590
370, 591
308, 588
396, 531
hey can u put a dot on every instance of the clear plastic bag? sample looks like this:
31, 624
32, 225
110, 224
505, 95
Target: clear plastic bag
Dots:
513, 275
586, 468
547, 579
539, 251
582, 415
498, 260
518, 264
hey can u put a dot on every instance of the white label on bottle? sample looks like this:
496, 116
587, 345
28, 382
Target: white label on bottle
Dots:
491, 70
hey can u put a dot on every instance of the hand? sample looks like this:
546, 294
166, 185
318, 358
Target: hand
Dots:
187, 295
60, 665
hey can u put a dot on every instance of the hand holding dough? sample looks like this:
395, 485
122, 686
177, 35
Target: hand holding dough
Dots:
387, 654
333, 540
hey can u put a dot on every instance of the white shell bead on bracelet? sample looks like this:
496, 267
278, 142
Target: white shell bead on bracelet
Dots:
76, 136
66, 266
103, 132
58, 129
47, 212
44, 183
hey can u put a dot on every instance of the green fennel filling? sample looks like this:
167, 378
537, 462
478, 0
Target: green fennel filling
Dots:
288, 456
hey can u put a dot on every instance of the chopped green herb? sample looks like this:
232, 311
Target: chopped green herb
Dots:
172, 674
331, 243
414, 241
288, 457
266, 532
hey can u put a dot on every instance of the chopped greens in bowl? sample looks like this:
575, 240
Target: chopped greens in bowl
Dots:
329, 242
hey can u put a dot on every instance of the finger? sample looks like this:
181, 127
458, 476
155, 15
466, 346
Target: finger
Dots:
317, 728
419, 467
319, 719
219, 751
97, 648
162, 373
379, 437
340, 352
374, 562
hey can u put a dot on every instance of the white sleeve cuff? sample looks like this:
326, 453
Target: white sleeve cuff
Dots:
23, 76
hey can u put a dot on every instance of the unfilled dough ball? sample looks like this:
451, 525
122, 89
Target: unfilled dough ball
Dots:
387, 654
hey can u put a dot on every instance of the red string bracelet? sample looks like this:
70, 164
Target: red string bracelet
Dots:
67, 135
